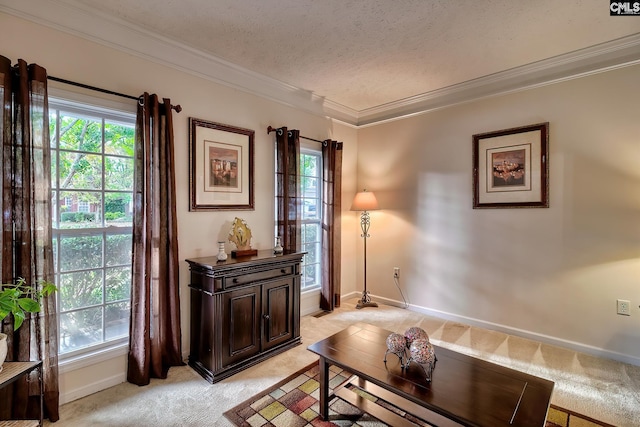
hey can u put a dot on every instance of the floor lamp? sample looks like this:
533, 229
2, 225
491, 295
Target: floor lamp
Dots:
365, 201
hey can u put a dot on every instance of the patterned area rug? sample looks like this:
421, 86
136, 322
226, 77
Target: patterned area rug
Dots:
293, 402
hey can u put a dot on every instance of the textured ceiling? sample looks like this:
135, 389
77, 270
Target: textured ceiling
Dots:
367, 53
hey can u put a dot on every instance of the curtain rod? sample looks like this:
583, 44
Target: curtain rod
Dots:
177, 108
311, 139
271, 129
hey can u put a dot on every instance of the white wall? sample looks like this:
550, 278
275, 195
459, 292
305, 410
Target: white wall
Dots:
75, 59
553, 274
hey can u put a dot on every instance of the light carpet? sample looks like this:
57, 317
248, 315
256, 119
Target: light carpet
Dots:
599, 388
294, 402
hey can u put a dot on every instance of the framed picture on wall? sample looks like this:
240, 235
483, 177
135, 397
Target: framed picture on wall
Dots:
220, 166
511, 168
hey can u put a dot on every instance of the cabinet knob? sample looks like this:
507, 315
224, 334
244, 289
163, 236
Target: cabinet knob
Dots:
283, 271
266, 317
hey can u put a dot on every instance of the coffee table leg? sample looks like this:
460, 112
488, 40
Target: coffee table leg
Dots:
324, 388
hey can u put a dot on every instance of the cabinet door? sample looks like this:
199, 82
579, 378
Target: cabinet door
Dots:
277, 311
241, 324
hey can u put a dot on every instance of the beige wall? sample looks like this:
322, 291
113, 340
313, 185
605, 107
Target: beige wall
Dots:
75, 59
554, 273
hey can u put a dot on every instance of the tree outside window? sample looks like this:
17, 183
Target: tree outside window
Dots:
92, 181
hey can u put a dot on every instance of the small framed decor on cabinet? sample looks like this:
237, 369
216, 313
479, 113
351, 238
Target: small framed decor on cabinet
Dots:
511, 168
220, 166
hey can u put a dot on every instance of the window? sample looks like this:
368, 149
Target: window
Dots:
92, 161
83, 206
311, 221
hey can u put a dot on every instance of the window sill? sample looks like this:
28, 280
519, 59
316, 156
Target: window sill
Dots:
84, 360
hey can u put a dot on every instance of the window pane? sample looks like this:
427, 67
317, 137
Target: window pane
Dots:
116, 320
80, 209
118, 209
80, 252
310, 210
118, 249
118, 173
309, 164
80, 170
80, 328
118, 284
311, 232
80, 134
311, 275
310, 187
81, 289
313, 253
119, 139
83, 206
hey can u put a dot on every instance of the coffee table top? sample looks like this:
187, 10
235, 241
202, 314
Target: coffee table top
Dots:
465, 389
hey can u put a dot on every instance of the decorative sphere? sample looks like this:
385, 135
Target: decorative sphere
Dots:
415, 333
396, 343
422, 352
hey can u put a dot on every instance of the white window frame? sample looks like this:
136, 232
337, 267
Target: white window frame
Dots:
114, 111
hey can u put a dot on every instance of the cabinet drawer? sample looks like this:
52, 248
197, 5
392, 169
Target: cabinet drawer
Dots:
232, 281
205, 282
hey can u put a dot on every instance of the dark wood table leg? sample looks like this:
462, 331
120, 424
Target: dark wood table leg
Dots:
324, 388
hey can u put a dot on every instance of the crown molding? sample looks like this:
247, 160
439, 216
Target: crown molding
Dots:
603, 57
106, 30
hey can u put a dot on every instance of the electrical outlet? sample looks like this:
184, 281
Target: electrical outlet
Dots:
624, 307
396, 272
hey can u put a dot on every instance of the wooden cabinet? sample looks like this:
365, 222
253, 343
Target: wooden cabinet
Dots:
12, 371
243, 310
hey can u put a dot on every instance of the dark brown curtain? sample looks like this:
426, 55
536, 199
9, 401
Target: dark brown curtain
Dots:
27, 249
331, 223
287, 197
154, 335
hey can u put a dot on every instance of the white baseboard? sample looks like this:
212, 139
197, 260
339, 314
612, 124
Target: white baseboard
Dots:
354, 294
94, 387
575, 346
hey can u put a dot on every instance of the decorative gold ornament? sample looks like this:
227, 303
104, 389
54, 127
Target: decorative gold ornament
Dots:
240, 234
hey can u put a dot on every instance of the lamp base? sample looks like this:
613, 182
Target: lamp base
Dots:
366, 304
365, 301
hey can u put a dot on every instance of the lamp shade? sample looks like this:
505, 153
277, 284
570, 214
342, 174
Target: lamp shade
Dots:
364, 201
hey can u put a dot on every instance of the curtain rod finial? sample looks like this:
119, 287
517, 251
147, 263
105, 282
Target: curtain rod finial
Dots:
178, 108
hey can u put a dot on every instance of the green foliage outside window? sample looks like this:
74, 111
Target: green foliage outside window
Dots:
80, 163
92, 181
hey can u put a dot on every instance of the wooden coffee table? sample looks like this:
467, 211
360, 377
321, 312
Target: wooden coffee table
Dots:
464, 390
